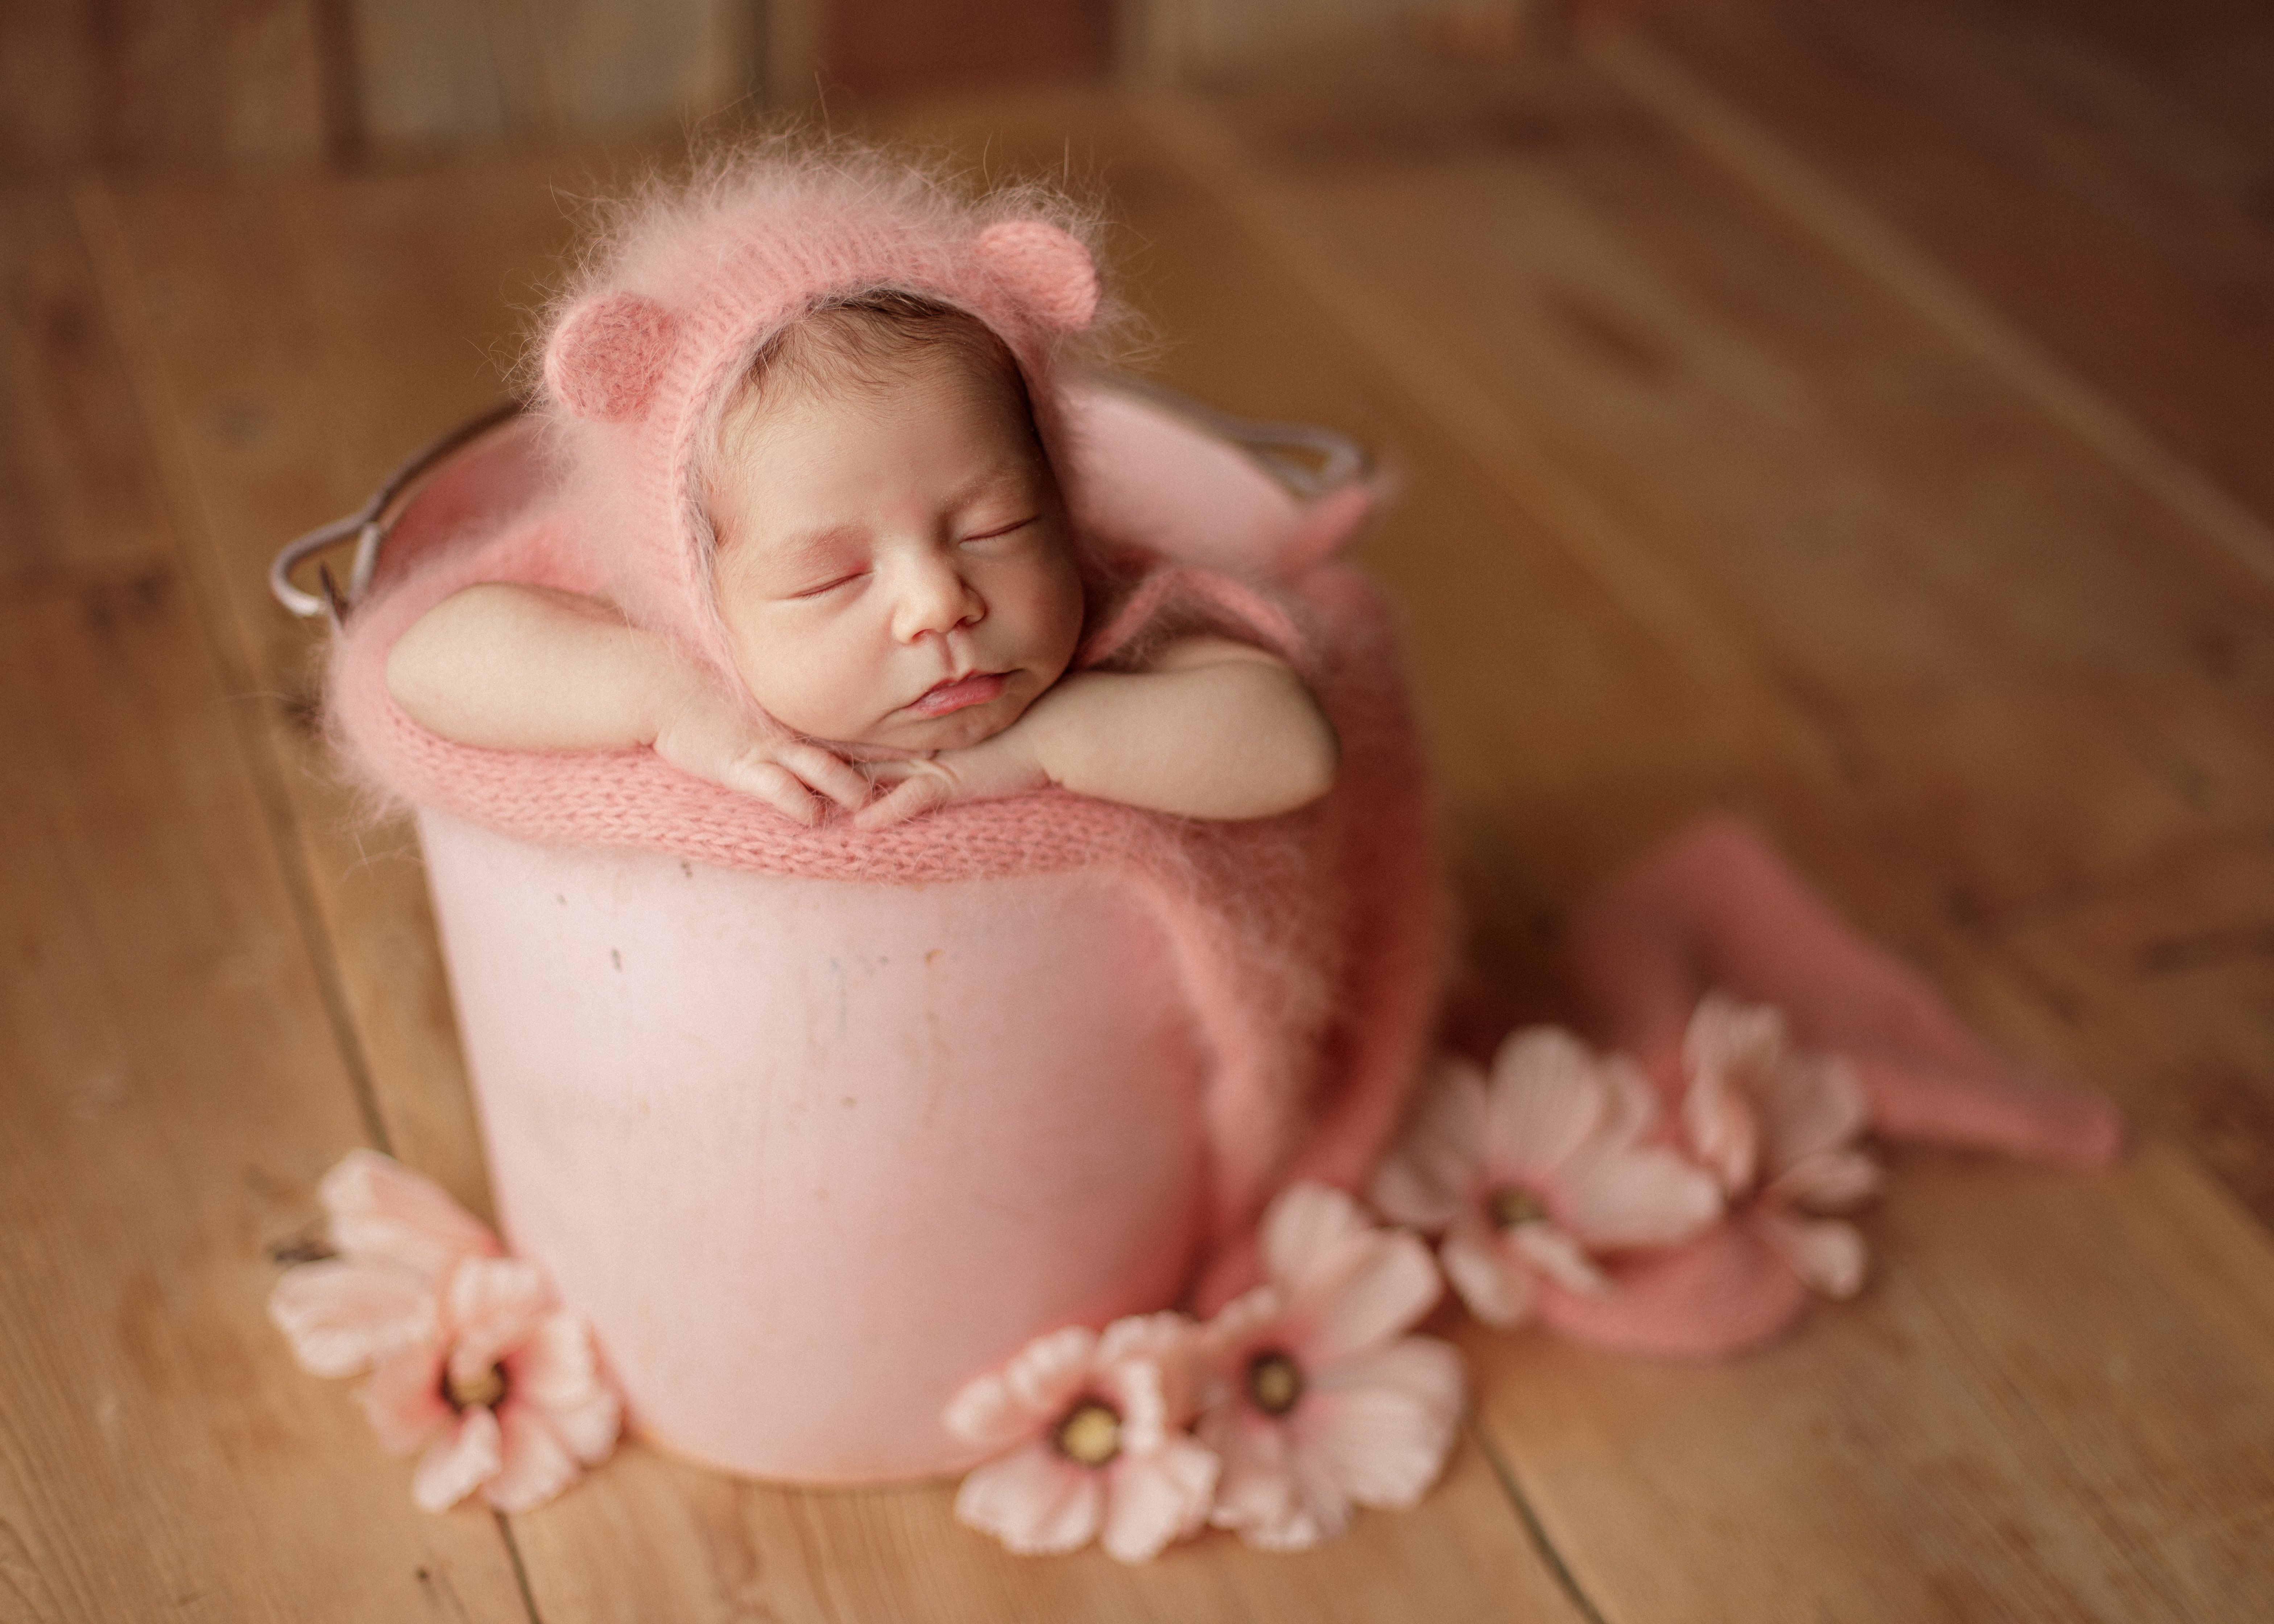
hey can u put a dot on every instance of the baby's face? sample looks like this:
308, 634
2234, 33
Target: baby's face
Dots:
895, 570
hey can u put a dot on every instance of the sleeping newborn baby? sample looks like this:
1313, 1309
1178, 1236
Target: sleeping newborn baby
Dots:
897, 579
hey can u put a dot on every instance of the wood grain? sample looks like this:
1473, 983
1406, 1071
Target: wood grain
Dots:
652, 1538
75, 481
169, 1091
293, 350
1969, 1440
159, 83
2099, 174
432, 75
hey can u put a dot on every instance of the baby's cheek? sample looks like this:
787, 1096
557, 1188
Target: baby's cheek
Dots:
1052, 609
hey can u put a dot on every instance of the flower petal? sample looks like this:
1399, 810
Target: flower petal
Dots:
343, 1314
1267, 1492
1306, 1232
1387, 1281
1382, 1423
1630, 1104
1546, 1101
491, 1305
1168, 1344
458, 1463
1727, 1046
536, 1464
1158, 1337
1318, 1512
1153, 1499
556, 1374
1133, 1386
1811, 1104
1558, 1256
403, 1398
1035, 1500
1825, 1254
1440, 1157
590, 1429
984, 1411
554, 1364
1049, 1372
1643, 1196
1005, 1406
1830, 1182
1496, 1282
380, 1210
1256, 1487
1240, 1328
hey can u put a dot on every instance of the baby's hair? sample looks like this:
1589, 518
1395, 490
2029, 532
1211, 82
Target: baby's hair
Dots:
865, 343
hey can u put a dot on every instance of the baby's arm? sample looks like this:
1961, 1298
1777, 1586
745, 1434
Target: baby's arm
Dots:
1212, 728
529, 668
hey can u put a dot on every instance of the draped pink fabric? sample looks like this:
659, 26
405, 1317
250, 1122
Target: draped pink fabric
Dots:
1715, 908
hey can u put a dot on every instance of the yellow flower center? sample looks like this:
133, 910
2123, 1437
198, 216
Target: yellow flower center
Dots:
1091, 1435
1511, 1206
1275, 1382
485, 1389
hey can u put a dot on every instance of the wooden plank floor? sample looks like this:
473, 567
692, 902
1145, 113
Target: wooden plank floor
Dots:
1855, 422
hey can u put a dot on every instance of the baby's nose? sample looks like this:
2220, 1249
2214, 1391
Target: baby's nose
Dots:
934, 598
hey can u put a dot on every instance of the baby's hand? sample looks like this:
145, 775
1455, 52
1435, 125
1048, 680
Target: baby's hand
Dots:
988, 771
705, 735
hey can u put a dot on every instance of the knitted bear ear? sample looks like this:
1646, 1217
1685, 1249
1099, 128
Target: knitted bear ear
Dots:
608, 354
1049, 272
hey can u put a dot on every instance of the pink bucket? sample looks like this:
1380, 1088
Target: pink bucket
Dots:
811, 1154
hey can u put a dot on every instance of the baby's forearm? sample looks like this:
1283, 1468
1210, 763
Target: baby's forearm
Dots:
521, 668
1239, 737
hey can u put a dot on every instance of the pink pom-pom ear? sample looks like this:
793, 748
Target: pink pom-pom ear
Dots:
1046, 270
608, 354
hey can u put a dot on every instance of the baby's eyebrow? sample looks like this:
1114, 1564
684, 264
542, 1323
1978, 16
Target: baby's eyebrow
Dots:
993, 481
827, 544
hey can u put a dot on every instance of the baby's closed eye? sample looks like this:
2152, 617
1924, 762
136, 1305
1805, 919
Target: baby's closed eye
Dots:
999, 531
829, 582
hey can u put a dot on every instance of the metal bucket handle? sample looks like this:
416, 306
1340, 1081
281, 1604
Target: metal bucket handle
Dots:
369, 525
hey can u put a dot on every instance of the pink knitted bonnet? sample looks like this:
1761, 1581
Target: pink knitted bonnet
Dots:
644, 353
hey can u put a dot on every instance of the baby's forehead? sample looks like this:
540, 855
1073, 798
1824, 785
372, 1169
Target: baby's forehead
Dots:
873, 344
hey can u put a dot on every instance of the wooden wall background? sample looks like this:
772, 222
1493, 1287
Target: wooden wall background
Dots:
264, 83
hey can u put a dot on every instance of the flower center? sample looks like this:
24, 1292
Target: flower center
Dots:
1512, 1206
485, 1389
1091, 1433
1275, 1382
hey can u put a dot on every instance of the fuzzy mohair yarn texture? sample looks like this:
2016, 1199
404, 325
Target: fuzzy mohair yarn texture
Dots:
648, 347
1308, 947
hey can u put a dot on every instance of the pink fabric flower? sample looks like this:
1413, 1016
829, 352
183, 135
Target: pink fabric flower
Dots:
1316, 1401
1537, 1172
470, 1354
1091, 1424
1777, 1126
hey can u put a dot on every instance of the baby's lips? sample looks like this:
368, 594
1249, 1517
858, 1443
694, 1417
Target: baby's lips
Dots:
959, 694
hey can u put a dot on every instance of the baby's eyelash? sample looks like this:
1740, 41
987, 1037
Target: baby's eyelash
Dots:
1003, 529
830, 586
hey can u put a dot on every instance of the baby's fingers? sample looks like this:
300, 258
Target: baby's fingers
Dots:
914, 796
779, 787
826, 771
